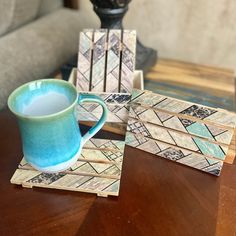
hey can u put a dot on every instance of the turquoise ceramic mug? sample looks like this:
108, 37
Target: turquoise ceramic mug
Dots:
50, 134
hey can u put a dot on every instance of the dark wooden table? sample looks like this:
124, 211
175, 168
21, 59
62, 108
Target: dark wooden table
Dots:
157, 197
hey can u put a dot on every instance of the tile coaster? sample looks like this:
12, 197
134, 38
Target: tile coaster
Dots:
174, 153
210, 132
188, 133
117, 104
84, 59
106, 60
113, 61
128, 60
194, 112
93, 112
178, 139
98, 60
215, 125
98, 170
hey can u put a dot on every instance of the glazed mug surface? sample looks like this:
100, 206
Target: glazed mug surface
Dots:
50, 134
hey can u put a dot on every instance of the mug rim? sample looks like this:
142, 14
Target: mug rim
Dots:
21, 115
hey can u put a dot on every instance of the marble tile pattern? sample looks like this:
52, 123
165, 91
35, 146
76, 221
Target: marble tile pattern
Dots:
209, 132
106, 60
217, 117
178, 139
98, 170
174, 153
84, 60
113, 61
117, 104
128, 60
98, 60
197, 130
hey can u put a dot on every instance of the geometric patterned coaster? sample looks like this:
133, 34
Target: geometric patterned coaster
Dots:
106, 61
174, 153
214, 124
178, 139
173, 122
190, 112
117, 104
98, 170
188, 133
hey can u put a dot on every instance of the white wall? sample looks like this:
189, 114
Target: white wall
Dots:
202, 31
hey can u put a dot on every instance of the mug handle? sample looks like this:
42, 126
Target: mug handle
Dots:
94, 99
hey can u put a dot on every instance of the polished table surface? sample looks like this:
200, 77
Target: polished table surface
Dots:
157, 197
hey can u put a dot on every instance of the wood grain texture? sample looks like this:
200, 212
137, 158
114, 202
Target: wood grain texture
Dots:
60, 212
232, 149
207, 85
183, 201
176, 191
188, 74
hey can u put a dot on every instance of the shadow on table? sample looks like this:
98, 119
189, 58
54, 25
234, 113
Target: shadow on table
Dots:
157, 197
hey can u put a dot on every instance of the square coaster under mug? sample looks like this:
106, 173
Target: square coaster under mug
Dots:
103, 56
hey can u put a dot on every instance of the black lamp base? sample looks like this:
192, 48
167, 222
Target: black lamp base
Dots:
111, 18
111, 13
145, 57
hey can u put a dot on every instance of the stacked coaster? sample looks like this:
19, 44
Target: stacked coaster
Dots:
190, 134
106, 62
117, 104
98, 170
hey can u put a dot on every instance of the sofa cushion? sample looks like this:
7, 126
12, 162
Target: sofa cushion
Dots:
14, 13
48, 6
37, 49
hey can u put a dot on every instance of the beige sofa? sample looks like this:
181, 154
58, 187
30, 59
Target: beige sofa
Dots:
36, 38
